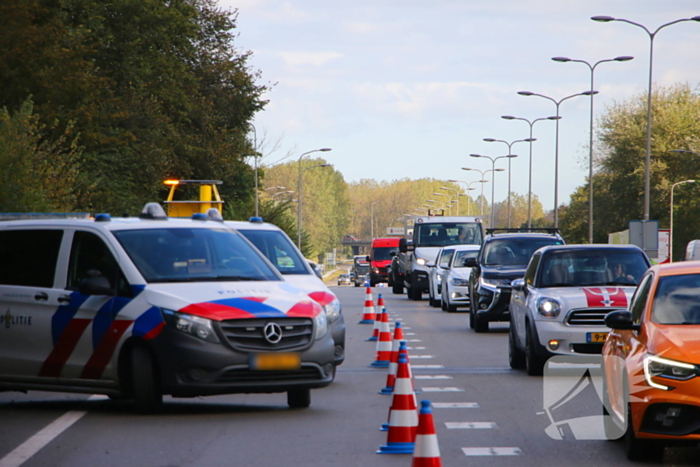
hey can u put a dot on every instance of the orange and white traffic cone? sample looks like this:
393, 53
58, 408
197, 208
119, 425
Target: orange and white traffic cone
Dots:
403, 415
383, 343
426, 452
402, 353
394, 360
368, 313
377, 319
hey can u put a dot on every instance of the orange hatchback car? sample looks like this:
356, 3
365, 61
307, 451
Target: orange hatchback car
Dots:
651, 363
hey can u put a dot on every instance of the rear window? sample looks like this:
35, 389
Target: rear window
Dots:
586, 267
514, 251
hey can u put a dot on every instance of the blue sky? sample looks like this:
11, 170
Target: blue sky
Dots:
408, 89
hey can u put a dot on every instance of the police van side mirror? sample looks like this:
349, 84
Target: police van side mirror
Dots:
402, 245
95, 284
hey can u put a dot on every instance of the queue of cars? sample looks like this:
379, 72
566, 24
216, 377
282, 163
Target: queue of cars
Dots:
139, 308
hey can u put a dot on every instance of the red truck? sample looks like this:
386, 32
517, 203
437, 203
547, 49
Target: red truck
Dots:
380, 258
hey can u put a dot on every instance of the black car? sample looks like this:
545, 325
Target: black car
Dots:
503, 257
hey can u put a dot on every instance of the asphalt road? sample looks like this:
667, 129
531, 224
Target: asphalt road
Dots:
485, 413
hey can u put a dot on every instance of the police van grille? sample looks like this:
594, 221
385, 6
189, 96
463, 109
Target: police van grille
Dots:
588, 316
248, 334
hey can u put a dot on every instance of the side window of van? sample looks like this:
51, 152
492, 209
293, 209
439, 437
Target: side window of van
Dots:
89, 252
28, 257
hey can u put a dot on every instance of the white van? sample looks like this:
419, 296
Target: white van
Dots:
286, 257
144, 307
692, 251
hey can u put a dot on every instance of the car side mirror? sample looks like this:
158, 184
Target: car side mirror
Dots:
430, 265
403, 245
392, 253
621, 320
470, 262
367, 258
95, 284
518, 284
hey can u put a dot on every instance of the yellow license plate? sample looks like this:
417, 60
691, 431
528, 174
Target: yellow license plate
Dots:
275, 361
596, 336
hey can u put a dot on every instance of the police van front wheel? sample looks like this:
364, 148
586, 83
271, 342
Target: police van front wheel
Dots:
299, 398
146, 386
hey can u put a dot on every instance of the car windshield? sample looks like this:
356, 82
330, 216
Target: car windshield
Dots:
277, 247
194, 254
677, 300
586, 267
384, 253
514, 251
460, 256
447, 233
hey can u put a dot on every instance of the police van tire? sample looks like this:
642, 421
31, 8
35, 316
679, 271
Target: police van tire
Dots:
397, 288
299, 398
146, 386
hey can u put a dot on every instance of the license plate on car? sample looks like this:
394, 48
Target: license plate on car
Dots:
596, 336
275, 361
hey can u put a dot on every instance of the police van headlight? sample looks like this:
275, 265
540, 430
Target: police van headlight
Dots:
332, 310
320, 326
189, 324
420, 261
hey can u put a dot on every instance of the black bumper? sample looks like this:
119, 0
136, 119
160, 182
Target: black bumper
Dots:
493, 303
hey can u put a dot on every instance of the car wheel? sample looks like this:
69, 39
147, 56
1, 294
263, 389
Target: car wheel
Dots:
146, 384
397, 288
481, 322
534, 364
516, 357
299, 398
472, 314
414, 293
638, 449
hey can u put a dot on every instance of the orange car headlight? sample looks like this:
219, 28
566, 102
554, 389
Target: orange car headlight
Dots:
659, 367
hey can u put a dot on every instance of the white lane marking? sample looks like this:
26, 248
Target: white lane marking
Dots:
442, 390
427, 367
415, 348
491, 451
409, 333
455, 405
34, 444
432, 377
406, 327
470, 425
414, 340
420, 356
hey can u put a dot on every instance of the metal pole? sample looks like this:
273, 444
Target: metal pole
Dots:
670, 229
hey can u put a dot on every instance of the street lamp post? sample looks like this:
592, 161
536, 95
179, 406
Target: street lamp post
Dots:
469, 188
300, 191
493, 169
557, 103
483, 173
510, 151
623, 58
529, 183
447, 202
647, 154
670, 228
446, 188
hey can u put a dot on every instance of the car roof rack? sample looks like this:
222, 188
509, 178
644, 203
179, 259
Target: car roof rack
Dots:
549, 230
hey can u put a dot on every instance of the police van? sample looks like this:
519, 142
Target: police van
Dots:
286, 257
144, 307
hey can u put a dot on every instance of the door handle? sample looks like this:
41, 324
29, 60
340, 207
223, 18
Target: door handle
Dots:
64, 299
41, 296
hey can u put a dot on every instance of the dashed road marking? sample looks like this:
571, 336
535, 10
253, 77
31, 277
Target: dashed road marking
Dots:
492, 451
470, 425
432, 377
455, 405
427, 367
409, 333
420, 356
415, 348
442, 389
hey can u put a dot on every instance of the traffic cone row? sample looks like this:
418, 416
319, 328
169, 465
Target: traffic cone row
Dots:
368, 315
408, 430
383, 343
377, 319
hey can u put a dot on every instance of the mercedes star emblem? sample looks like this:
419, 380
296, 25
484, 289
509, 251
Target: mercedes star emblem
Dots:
273, 333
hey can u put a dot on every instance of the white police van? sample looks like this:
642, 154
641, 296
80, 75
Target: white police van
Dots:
286, 257
144, 307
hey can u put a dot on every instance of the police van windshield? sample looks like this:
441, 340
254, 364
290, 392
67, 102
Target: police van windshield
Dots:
278, 249
194, 254
447, 233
